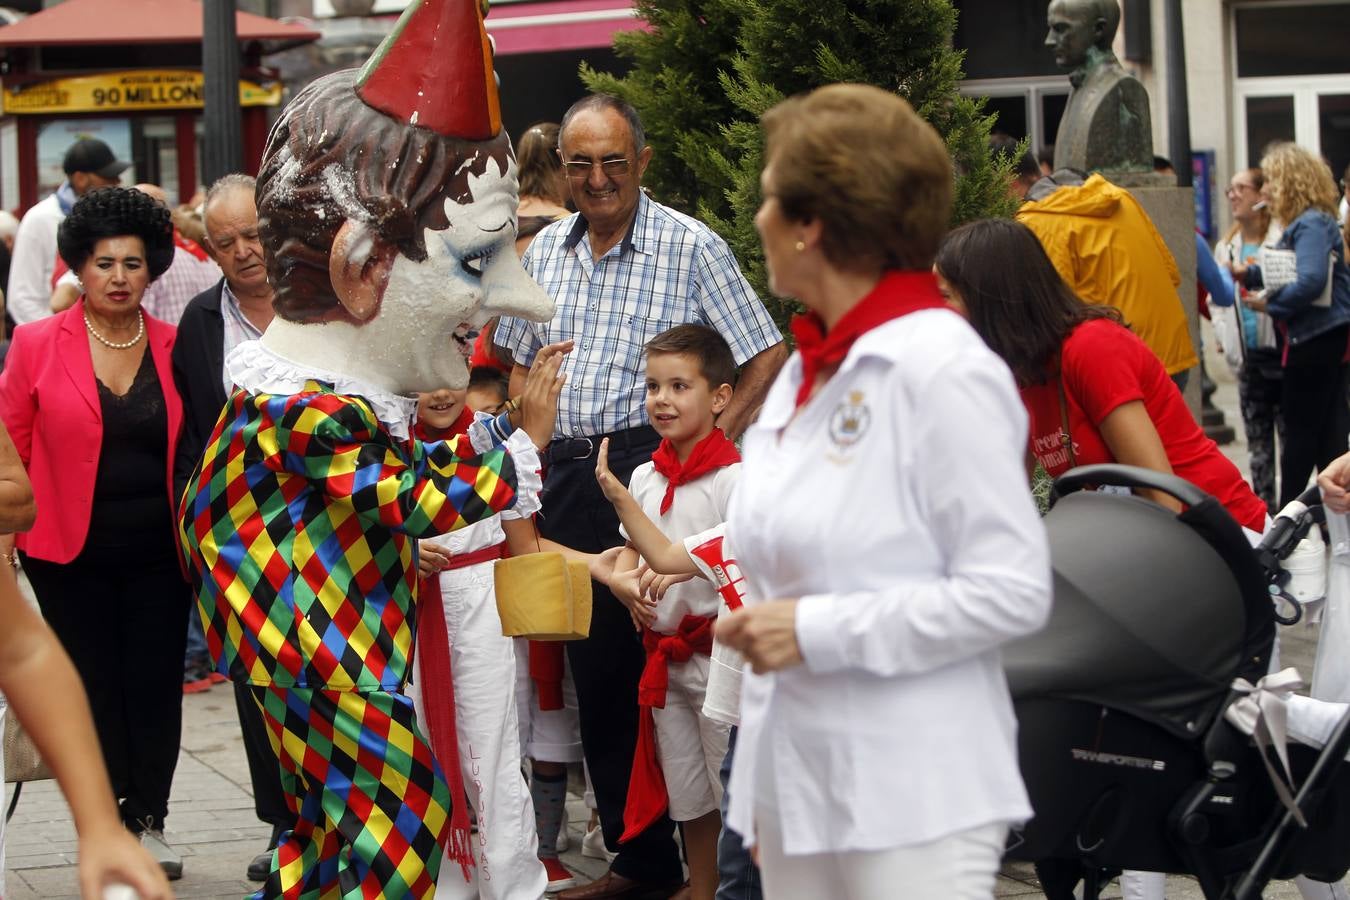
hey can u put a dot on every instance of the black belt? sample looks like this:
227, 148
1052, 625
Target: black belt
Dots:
642, 436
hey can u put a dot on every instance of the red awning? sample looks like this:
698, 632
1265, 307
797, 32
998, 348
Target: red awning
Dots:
76, 22
559, 25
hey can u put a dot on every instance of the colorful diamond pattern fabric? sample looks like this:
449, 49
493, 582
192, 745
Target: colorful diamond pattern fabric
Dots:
371, 803
300, 527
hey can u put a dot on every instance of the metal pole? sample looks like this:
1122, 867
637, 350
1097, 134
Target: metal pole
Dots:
1178, 107
222, 141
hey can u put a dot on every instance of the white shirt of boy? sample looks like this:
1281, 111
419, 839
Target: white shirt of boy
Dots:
897, 729
697, 506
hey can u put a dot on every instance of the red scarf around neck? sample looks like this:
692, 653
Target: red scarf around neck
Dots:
713, 452
460, 426
897, 294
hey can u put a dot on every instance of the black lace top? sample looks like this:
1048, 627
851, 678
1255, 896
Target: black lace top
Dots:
131, 501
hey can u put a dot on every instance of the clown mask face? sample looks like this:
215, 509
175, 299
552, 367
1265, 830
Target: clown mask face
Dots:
430, 311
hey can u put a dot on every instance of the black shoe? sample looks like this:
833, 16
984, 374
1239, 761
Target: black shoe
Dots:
259, 868
261, 865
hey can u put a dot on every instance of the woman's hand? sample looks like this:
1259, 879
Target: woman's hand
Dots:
1334, 480
539, 400
431, 559
1255, 300
113, 856
765, 634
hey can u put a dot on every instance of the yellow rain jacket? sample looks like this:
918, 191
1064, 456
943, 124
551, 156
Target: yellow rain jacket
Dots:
1105, 246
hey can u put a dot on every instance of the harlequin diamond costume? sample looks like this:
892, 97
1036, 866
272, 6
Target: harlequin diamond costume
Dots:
387, 213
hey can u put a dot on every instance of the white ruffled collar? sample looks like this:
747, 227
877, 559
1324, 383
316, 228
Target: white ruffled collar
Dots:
255, 368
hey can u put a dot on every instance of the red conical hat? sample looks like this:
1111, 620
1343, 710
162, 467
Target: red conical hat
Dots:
434, 70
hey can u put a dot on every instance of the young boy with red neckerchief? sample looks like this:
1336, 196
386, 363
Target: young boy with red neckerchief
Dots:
685, 489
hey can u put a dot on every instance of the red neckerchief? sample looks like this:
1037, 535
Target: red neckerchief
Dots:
713, 452
647, 796
897, 294
460, 426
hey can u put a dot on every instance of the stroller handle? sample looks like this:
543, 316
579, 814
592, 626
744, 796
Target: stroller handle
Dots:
1118, 475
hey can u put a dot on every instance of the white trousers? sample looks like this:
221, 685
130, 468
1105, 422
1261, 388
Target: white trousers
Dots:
484, 665
961, 866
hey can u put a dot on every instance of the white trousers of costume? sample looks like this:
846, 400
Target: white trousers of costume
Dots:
483, 663
961, 866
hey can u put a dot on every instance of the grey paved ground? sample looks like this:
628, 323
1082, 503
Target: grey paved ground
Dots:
211, 817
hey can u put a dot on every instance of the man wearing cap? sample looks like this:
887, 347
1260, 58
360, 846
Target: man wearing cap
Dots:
89, 164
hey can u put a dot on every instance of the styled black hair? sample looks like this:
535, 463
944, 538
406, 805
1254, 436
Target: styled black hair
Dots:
116, 212
489, 377
715, 361
1013, 295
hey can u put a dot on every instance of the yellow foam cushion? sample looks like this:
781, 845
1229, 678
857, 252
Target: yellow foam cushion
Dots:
541, 596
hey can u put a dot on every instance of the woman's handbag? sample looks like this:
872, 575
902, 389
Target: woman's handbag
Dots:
22, 760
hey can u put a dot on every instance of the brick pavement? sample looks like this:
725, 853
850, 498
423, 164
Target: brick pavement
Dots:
212, 824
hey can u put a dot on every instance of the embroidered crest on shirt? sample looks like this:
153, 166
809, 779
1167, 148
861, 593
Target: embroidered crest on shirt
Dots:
849, 421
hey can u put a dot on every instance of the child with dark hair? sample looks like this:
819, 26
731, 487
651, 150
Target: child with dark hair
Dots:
686, 489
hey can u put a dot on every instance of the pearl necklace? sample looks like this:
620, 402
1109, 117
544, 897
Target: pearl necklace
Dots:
140, 333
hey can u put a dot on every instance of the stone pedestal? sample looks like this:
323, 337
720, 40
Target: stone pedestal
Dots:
1172, 210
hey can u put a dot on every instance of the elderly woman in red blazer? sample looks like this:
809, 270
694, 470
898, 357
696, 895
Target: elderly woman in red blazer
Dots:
88, 397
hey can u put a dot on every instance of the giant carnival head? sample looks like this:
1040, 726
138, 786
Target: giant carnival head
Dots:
387, 202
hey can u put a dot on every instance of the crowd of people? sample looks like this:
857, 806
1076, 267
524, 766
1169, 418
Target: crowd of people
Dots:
757, 660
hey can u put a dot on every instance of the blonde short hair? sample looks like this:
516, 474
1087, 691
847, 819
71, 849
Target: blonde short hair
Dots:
1296, 181
859, 159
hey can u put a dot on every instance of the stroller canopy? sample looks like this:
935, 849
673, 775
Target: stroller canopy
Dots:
1154, 613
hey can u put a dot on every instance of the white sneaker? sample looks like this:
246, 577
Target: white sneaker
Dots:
152, 839
593, 845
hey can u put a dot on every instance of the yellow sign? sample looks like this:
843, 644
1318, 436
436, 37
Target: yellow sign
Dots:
126, 91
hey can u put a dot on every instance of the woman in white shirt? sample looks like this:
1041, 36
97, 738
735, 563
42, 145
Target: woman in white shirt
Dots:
883, 516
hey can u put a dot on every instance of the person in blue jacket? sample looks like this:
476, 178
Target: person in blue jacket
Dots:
1310, 303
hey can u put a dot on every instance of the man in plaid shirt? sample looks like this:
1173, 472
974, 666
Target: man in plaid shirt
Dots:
622, 270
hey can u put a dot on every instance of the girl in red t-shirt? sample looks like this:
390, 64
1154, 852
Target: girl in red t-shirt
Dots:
1080, 370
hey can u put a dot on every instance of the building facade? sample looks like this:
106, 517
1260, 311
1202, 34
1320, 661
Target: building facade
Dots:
1257, 71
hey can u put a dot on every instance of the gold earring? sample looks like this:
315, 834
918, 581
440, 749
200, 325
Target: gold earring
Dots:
801, 245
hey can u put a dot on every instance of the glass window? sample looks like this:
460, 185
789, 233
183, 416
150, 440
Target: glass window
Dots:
56, 136
1003, 38
1269, 119
1302, 39
1011, 113
1052, 111
1333, 123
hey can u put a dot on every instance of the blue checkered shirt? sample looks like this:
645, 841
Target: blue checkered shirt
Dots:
668, 270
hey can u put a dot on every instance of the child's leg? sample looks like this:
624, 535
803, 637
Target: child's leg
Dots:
551, 739
382, 796
484, 666
700, 848
685, 738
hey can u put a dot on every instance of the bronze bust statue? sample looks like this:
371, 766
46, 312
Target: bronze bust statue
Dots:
1106, 125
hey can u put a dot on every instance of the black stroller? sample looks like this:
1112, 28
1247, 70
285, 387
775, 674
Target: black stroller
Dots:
1125, 752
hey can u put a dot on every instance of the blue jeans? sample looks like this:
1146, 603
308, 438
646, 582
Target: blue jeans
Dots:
738, 876
196, 640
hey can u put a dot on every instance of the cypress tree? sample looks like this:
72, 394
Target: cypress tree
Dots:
707, 69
